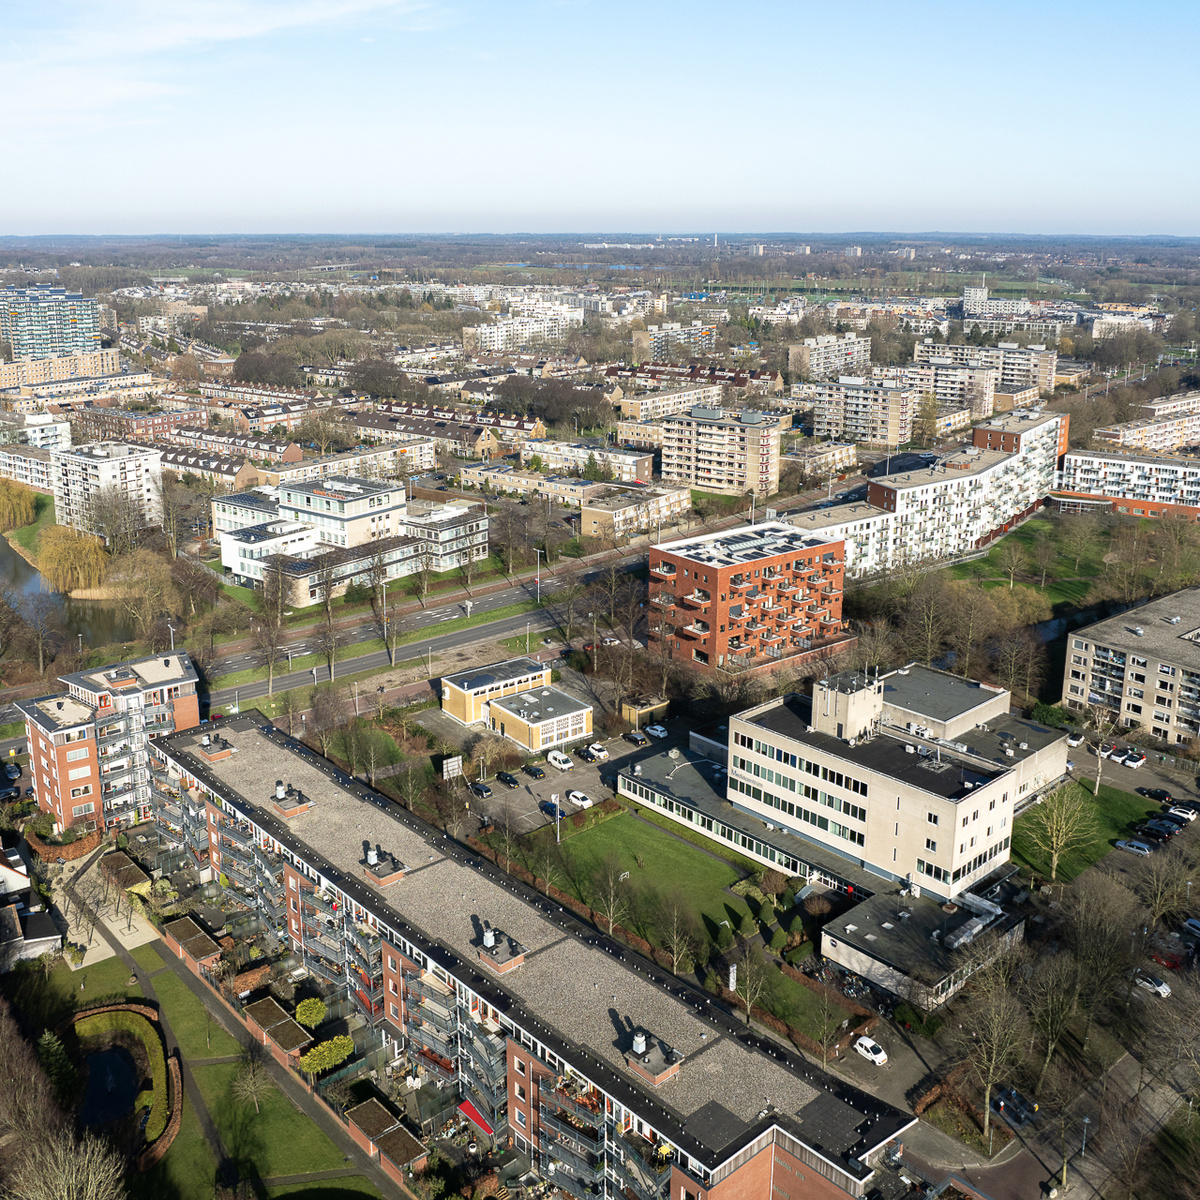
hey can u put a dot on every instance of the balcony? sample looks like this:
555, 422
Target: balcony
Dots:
567, 1183
586, 1168
241, 834
433, 1016
239, 872
663, 600
368, 945
587, 1105
435, 1064
589, 1137
696, 599
741, 582
663, 570
322, 904
323, 970
371, 1009
326, 948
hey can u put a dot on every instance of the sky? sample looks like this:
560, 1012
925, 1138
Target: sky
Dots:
483, 116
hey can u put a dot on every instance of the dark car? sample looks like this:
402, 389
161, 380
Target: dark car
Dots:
509, 781
637, 739
1159, 794
533, 772
552, 810
1013, 1108
9, 795
481, 790
1155, 833
12, 770
586, 755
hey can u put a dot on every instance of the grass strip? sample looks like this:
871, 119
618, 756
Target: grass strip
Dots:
696, 838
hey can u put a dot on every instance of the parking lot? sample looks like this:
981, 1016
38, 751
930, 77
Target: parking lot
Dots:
520, 805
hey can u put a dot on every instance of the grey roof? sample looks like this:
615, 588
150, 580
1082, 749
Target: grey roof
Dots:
749, 544
935, 694
1173, 643
540, 704
945, 774
501, 672
577, 992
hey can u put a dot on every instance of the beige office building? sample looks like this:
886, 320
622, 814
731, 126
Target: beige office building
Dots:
467, 696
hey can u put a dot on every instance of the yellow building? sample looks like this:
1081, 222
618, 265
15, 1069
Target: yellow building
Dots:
468, 695
541, 718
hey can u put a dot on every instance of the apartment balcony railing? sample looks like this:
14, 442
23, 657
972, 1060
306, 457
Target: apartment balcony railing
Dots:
436, 1065
240, 834
323, 969
565, 1181
666, 570
239, 872
372, 1010
327, 949
589, 1137
368, 945
588, 1106
436, 1017
695, 599
318, 903
111, 735
493, 1091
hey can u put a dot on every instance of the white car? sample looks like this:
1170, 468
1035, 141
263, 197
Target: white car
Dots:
1074, 739
656, 731
1134, 759
598, 750
1138, 848
871, 1051
556, 758
1184, 814
1153, 984
580, 799
611, 641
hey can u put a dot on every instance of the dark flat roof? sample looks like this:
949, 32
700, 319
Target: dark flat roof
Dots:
935, 694
944, 773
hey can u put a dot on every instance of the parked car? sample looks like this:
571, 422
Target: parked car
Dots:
610, 641
552, 810
636, 738
579, 798
656, 731
509, 781
1106, 749
12, 770
481, 790
872, 1051
1149, 831
1152, 983
1074, 739
8, 795
1171, 959
1192, 926
599, 751
1176, 819
1134, 759
1130, 847
533, 772
1013, 1108
1161, 825
585, 753
556, 758
1184, 814
1159, 794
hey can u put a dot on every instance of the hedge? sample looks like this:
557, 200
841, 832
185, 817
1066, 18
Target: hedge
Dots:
99, 1024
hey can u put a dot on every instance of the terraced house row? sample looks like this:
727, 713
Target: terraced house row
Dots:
612, 1077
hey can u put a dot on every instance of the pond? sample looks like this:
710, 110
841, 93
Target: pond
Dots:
100, 624
112, 1087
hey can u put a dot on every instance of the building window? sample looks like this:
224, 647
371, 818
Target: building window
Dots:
82, 810
521, 1119
520, 1091
931, 845
519, 1065
932, 818
81, 791
76, 755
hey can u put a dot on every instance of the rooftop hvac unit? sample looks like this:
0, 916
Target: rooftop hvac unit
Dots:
1174, 620
639, 1043
909, 748
1023, 745
1139, 632
1010, 752
489, 938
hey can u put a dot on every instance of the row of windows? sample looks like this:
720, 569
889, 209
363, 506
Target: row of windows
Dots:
800, 813
828, 774
944, 876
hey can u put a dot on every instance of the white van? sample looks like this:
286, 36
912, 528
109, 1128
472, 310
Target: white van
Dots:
556, 758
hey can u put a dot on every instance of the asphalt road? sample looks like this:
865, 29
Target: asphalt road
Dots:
538, 620
368, 630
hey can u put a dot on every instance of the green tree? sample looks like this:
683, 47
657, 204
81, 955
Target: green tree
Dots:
56, 1062
311, 1012
327, 1055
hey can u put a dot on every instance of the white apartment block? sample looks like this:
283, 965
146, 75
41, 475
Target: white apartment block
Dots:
345, 511
29, 465
1153, 433
1146, 674
410, 455
971, 384
514, 333
627, 466
871, 412
977, 303
1048, 329
830, 356
1166, 406
1020, 366
245, 552
957, 505
1138, 484
653, 405
77, 476
659, 342
707, 449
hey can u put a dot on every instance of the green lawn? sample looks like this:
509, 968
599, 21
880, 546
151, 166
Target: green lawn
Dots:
186, 1172
147, 957
670, 865
690, 833
1116, 814
28, 535
12, 729
45, 1001
331, 1189
279, 1140
797, 1005
187, 1018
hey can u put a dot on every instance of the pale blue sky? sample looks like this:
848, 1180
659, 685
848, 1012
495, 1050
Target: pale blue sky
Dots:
545, 115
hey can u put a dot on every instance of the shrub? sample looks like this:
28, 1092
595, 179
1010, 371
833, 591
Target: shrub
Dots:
800, 953
796, 925
327, 1055
778, 940
311, 1012
1050, 714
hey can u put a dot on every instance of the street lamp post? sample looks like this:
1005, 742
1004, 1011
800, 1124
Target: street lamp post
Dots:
237, 708
172, 629
80, 643
539, 572
1086, 1122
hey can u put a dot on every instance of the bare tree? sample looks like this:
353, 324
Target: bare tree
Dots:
43, 623
269, 631
753, 975
289, 709
1052, 995
1044, 555
422, 577
326, 715
326, 641
1078, 536
60, 1165
1011, 559
972, 621
612, 896
252, 1082
677, 926
115, 515
1063, 820
172, 499
411, 783
467, 567
992, 1035
1162, 885
571, 588
1104, 721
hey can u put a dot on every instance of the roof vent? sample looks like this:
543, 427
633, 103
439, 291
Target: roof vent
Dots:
372, 857
909, 748
205, 740
60, 706
166, 662
280, 790
1174, 620
1023, 745
1139, 632
639, 1043
489, 938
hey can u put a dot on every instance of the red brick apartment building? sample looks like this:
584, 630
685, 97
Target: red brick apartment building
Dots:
748, 599
88, 757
